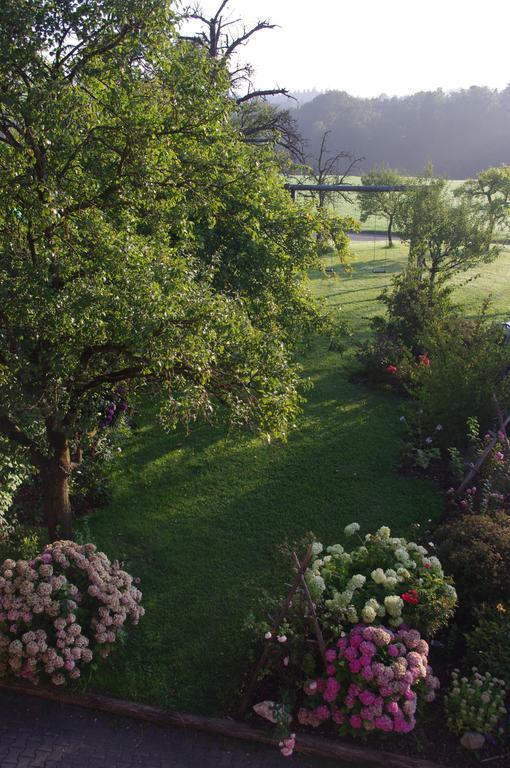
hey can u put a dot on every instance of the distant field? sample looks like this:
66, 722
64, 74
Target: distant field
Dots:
357, 293
350, 207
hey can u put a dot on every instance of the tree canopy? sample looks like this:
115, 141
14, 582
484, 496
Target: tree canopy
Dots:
142, 243
490, 193
445, 236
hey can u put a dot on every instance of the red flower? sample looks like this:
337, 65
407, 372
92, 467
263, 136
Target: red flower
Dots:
391, 369
424, 360
411, 597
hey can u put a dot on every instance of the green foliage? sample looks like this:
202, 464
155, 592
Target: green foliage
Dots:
14, 470
410, 308
475, 703
411, 305
141, 241
487, 643
21, 543
475, 549
445, 237
490, 192
468, 358
387, 580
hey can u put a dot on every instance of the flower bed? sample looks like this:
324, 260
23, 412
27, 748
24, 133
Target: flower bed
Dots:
61, 611
351, 652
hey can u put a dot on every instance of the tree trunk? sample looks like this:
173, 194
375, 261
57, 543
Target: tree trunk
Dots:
390, 239
57, 506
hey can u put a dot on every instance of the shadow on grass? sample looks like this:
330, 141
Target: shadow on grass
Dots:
201, 521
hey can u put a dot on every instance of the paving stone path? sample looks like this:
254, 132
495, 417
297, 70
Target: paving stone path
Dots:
41, 734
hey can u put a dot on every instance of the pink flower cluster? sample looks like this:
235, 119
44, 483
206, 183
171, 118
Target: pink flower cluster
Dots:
57, 609
287, 745
374, 679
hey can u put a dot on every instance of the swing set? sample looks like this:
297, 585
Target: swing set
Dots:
295, 188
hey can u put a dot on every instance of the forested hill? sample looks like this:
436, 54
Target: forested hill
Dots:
460, 133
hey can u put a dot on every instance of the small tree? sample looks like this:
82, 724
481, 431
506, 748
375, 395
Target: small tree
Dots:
445, 237
490, 193
142, 244
385, 204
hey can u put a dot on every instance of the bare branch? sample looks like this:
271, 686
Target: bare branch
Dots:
242, 39
262, 94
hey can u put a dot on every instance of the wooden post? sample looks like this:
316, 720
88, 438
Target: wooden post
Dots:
315, 621
301, 568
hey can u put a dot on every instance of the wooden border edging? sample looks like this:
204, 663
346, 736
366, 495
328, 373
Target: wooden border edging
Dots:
309, 745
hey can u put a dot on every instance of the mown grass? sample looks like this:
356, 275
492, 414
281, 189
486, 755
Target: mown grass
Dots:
201, 518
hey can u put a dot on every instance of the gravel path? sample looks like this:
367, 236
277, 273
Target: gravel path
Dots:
35, 733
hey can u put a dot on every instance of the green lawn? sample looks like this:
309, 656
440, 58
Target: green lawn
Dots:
200, 519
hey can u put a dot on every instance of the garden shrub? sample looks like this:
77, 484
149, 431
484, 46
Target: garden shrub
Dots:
411, 306
379, 356
488, 643
468, 361
396, 340
374, 679
62, 610
475, 549
475, 703
492, 490
383, 580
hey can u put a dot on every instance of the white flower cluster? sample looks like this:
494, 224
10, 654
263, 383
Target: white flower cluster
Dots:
353, 592
475, 703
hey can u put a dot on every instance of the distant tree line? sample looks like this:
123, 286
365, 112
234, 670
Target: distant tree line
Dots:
459, 133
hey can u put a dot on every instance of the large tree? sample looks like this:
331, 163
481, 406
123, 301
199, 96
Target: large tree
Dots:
141, 243
384, 204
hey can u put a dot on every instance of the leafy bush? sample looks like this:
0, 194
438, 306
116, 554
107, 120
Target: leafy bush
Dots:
396, 343
61, 610
384, 580
488, 643
467, 358
420, 448
380, 355
374, 679
412, 304
475, 703
475, 549
492, 490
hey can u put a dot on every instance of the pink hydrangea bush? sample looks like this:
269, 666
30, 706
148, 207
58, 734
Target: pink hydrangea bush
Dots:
61, 610
375, 678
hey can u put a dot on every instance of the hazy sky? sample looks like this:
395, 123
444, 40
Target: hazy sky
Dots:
369, 47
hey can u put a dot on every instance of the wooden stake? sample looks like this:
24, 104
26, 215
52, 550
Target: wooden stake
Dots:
315, 622
247, 696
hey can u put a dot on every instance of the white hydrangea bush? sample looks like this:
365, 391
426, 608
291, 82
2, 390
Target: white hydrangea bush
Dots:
475, 704
380, 579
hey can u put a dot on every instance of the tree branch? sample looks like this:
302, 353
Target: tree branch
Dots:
11, 430
245, 36
260, 94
